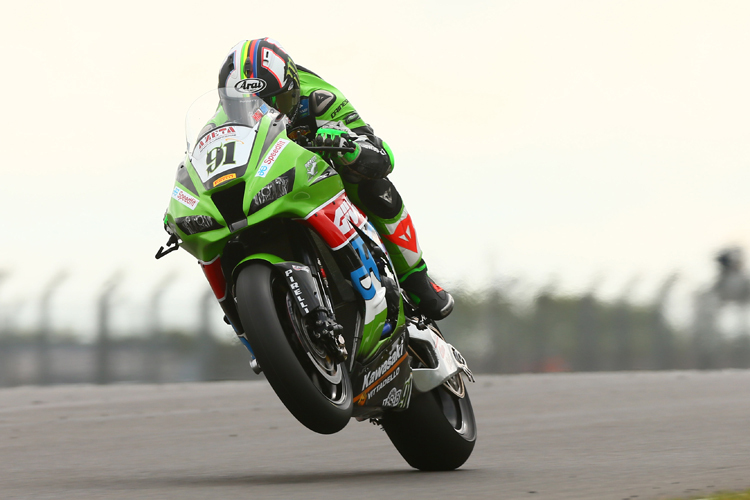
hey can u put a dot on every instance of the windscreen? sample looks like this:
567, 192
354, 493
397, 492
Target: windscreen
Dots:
214, 109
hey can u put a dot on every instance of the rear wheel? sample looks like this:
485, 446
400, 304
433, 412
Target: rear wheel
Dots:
438, 431
315, 389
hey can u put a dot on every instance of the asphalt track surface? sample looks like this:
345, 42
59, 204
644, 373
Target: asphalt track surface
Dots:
568, 436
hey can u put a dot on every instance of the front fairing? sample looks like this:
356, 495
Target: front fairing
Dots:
236, 174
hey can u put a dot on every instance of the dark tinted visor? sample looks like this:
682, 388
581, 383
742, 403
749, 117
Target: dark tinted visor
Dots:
286, 102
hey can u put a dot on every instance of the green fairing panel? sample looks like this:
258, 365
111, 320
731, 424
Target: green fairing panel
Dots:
205, 246
266, 257
371, 341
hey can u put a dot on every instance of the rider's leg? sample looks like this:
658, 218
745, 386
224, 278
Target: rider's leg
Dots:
382, 204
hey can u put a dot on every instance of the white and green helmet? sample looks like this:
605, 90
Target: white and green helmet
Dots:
261, 68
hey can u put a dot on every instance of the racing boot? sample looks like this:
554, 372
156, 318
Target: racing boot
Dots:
383, 206
432, 300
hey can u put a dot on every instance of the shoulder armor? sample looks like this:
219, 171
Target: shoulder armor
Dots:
321, 101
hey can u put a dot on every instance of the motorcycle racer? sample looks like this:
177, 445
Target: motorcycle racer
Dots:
320, 112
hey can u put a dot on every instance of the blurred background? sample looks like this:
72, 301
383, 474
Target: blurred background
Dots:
504, 328
577, 173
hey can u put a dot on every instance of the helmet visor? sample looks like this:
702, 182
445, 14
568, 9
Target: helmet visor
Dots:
286, 102
240, 108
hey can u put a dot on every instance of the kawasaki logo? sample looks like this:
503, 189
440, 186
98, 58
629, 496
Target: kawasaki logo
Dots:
250, 85
396, 352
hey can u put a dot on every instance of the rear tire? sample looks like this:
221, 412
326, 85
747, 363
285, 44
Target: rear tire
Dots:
436, 433
315, 390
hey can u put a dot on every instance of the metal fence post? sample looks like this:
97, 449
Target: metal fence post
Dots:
44, 367
587, 351
155, 342
4, 341
205, 348
102, 368
662, 344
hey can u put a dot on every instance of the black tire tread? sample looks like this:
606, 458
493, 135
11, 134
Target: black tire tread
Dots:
258, 313
425, 438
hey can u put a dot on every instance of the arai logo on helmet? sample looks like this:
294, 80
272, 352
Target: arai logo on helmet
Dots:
250, 85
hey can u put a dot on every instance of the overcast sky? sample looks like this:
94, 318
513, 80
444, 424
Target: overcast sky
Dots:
581, 142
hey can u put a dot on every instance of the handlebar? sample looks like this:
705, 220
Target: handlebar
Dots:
331, 149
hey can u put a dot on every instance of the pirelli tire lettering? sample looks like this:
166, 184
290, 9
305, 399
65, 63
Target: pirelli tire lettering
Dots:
301, 285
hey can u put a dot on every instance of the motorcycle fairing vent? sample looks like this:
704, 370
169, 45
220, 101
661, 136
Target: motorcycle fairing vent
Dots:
229, 202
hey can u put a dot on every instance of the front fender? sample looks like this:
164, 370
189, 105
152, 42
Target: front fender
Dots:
256, 257
298, 277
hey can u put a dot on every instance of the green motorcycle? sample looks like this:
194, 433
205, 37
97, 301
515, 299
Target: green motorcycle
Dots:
309, 288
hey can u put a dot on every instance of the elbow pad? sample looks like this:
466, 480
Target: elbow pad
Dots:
375, 160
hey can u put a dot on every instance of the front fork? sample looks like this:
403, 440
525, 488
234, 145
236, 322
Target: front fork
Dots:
307, 284
215, 276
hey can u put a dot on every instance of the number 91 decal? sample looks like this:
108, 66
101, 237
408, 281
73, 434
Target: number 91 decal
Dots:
216, 152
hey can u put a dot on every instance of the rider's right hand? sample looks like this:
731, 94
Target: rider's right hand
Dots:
332, 138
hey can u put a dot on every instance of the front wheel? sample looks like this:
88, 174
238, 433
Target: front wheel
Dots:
316, 390
438, 431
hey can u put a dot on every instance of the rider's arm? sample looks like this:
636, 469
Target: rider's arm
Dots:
373, 158
329, 109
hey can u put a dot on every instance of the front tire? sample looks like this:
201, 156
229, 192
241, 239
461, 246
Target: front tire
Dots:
314, 389
437, 432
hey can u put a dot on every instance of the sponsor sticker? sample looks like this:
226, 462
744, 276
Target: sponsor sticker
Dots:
339, 108
312, 167
335, 220
271, 157
185, 198
304, 108
222, 150
250, 86
345, 215
393, 399
369, 146
394, 358
224, 178
215, 135
296, 290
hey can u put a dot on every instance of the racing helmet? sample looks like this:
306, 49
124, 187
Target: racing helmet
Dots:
262, 68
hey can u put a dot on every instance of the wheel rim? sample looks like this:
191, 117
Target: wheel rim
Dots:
455, 408
455, 384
